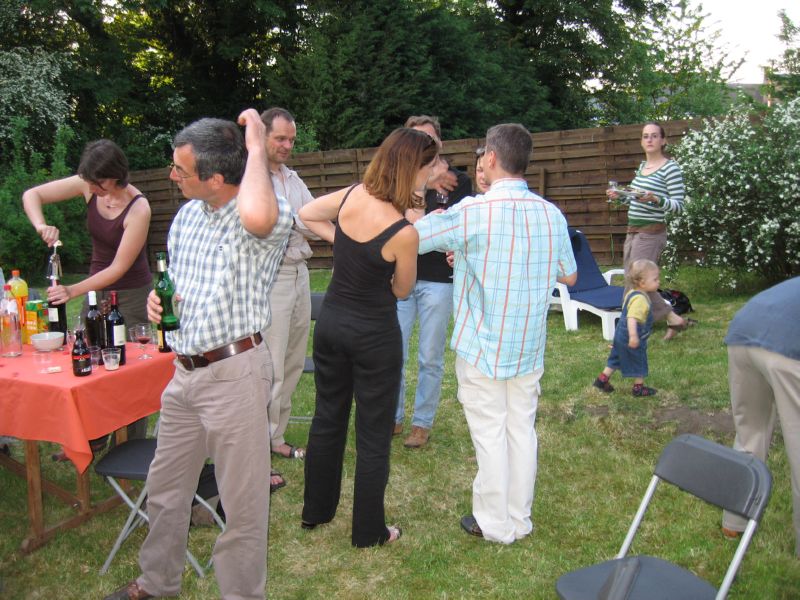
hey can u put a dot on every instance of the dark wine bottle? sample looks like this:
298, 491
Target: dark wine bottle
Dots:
57, 317
115, 329
56, 313
165, 290
81, 358
95, 328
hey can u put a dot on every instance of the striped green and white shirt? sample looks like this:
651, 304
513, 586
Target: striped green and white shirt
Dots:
665, 183
223, 274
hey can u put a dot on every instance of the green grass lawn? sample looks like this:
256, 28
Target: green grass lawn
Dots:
596, 454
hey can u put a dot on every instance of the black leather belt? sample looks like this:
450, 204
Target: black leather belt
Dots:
196, 361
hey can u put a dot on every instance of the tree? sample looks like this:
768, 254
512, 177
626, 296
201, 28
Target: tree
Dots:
783, 76
569, 44
673, 69
367, 66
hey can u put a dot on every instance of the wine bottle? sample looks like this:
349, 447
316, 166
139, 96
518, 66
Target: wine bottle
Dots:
81, 357
95, 328
57, 318
165, 290
56, 313
115, 329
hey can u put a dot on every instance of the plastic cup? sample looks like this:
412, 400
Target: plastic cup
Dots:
43, 360
111, 358
94, 352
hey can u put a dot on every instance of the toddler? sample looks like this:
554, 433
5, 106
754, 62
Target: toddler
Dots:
629, 351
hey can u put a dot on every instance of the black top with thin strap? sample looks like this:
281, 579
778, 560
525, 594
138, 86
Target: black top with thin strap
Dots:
362, 278
106, 238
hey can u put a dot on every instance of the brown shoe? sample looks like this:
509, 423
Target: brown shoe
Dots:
398, 429
129, 591
731, 534
418, 438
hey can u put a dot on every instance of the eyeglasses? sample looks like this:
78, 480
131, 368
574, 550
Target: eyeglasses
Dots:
180, 172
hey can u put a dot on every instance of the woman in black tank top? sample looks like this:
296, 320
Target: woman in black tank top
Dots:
357, 341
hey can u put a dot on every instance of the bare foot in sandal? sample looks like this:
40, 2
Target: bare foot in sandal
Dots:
395, 533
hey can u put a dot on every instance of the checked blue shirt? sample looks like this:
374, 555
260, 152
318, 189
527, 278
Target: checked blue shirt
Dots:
510, 245
223, 274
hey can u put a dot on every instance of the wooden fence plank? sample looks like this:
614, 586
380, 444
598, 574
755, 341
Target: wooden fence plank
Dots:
571, 168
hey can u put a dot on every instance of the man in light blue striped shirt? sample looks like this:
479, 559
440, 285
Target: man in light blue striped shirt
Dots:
510, 247
225, 247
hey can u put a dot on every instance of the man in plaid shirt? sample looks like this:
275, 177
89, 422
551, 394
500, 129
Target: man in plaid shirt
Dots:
510, 247
225, 246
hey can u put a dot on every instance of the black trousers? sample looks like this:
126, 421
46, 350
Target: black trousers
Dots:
356, 355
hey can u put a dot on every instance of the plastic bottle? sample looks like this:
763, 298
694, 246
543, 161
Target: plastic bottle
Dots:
10, 327
19, 289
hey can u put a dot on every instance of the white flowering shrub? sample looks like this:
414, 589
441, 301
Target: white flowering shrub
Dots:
742, 211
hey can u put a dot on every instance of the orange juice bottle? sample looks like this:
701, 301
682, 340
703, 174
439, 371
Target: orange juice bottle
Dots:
31, 321
19, 289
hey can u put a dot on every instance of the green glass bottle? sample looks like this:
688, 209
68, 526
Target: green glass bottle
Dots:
165, 290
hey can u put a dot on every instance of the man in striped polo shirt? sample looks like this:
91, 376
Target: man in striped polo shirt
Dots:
510, 247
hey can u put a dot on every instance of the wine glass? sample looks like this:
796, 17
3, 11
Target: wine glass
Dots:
141, 333
442, 199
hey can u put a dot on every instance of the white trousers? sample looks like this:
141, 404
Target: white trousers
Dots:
501, 415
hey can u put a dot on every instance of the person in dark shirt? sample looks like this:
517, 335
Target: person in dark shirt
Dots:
431, 300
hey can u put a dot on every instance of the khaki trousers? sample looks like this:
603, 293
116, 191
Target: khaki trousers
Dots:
649, 246
765, 386
287, 340
501, 415
218, 411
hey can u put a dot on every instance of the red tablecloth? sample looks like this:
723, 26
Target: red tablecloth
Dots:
69, 410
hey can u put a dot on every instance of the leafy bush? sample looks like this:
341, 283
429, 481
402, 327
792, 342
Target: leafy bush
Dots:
742, 176
20, 246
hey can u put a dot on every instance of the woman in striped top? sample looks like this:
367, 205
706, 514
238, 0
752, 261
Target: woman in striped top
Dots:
661, 180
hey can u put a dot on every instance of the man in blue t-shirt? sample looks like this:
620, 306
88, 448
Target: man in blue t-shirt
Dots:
764, 374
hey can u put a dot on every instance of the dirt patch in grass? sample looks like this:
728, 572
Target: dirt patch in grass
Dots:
687, 420
694, 421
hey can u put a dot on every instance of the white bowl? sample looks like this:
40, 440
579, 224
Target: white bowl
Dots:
49, 340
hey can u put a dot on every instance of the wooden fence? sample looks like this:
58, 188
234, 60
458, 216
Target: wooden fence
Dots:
570, 168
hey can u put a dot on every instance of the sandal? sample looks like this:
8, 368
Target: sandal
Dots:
672, 330
643, 391
395, 533
603, 386
274, 487
294, 452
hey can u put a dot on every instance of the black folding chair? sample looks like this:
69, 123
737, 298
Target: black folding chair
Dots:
727, 478
131, 460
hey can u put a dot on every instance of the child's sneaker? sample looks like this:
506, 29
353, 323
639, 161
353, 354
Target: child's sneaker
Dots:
643, 390
603, 386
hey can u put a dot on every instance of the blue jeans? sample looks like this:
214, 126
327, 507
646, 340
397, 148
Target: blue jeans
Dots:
433, 302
